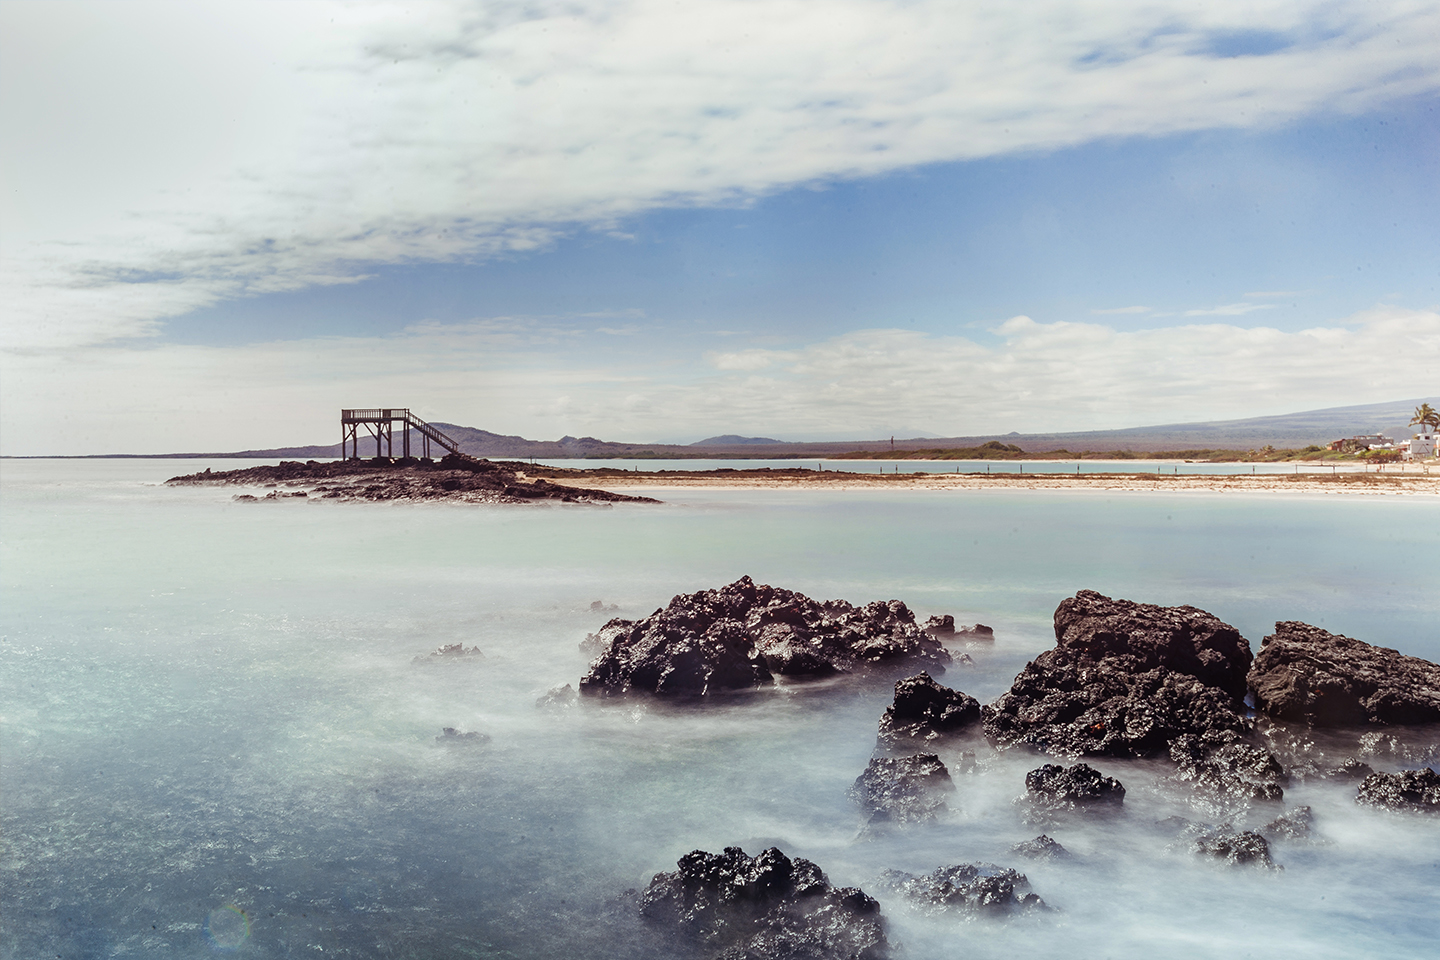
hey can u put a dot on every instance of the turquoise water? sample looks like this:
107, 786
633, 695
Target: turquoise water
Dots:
211, 709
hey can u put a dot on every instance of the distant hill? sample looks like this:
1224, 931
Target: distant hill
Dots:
1291, 430
731, 440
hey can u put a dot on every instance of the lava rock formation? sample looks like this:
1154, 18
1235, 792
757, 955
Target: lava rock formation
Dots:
744, 634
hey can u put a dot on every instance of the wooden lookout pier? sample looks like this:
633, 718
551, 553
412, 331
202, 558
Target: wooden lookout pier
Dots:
378, 423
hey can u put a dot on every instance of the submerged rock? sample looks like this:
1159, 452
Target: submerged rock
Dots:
558, 698
450, 653
978, 633
1235, 772
1056, 789
1415, 790
1293, 825
976, 889
924, 711
1237, 848
1126, 679
744, 634
903, 790
1308, 675
765, 907
1041, 848
452, 735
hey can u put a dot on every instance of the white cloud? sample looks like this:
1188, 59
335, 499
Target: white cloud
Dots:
1229, 310
174, 155
1038, 376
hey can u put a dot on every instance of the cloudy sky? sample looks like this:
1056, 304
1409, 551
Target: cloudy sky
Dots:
651, 221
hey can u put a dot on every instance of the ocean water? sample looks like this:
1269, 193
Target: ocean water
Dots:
214, 739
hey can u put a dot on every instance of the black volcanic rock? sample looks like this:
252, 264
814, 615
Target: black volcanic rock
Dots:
743, 634
766, 907
1417, 790
924, 711
1059, 789
1242, 848
1041, 848
1308, 675
977, 889
1234, 772
1295, 824
457, 477
903, 790
1125, 679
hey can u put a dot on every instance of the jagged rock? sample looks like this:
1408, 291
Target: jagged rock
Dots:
1242, 848
1041, 848
977, 889
903, 790
941, 626
558, 698
1125, 679
451, 735
766, 907
1308, 675
1293, 825
1417, 790
450, 653
1236, 771
924, 711
743, 634
1056, 789
979, 633
599, 606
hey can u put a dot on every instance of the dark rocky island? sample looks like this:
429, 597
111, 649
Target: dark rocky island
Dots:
924, 711
457, 477
1125, 680
766, 907
745, 634
1304, 674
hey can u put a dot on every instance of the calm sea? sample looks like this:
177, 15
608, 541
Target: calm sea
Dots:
214, 741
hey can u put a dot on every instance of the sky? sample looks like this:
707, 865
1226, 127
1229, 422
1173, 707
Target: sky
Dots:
658, 221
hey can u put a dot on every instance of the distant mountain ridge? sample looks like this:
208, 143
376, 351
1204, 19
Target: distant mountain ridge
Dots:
1291, 430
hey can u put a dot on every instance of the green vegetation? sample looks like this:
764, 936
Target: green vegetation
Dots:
1426, 416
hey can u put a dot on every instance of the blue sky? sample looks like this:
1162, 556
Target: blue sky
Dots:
826, 220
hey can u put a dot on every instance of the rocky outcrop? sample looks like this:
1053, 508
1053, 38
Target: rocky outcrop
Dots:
1041, 848
457, 477
924, 711
1412, 790
903, 790
1237, 848
1307, 675
1233, 772
974, 889
1126, 679
1056, 789
766, 907
745, 634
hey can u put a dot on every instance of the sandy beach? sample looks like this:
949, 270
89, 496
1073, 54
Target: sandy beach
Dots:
1355, 483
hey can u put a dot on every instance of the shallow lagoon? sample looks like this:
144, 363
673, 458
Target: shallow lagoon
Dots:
210, 705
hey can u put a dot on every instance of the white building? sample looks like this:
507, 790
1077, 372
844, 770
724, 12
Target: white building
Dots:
1419, 447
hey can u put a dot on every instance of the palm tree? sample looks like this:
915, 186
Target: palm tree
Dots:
1426, 416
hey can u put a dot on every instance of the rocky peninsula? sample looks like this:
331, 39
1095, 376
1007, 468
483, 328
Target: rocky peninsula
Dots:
457, 478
